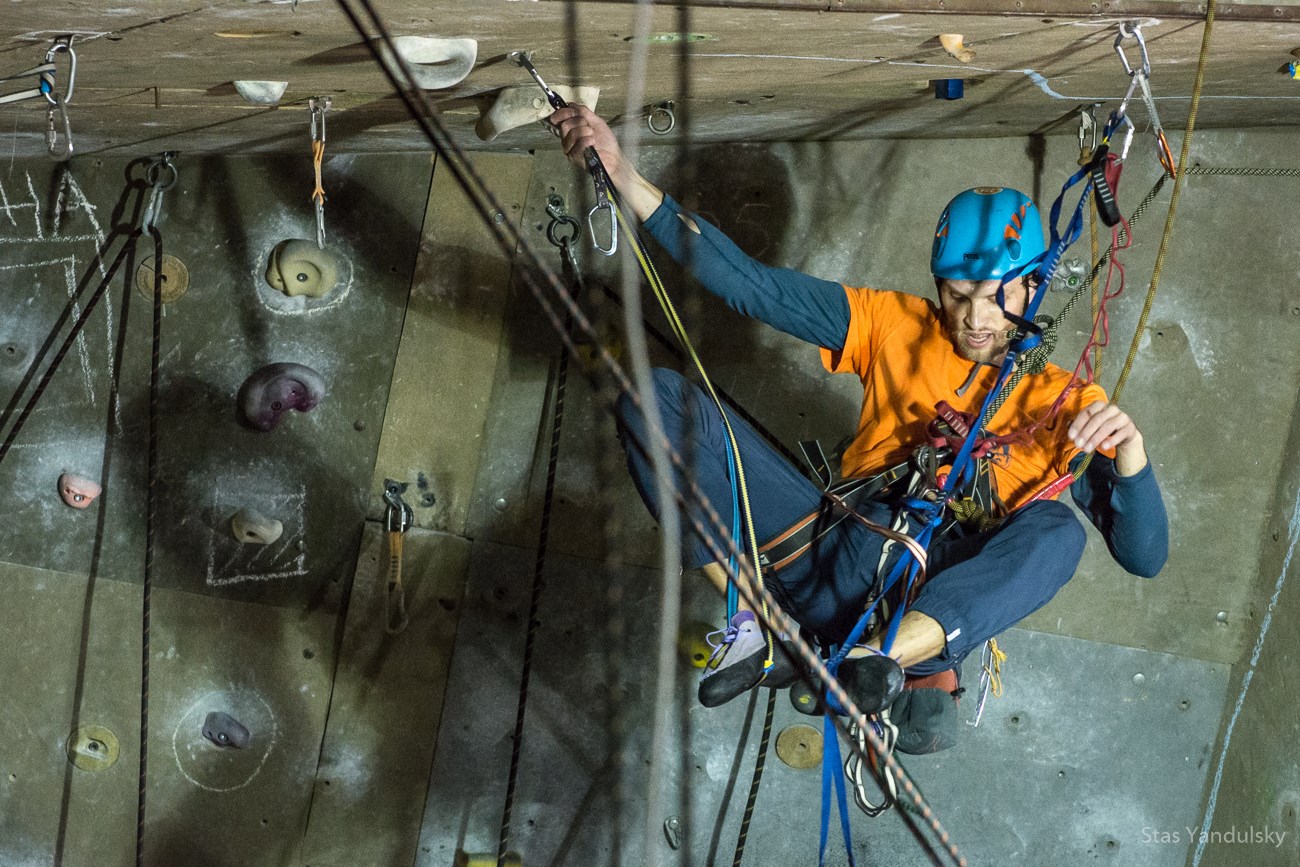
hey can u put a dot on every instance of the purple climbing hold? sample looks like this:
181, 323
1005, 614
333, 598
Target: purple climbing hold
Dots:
277, 388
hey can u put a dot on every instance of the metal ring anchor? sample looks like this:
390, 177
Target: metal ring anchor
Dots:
661, 111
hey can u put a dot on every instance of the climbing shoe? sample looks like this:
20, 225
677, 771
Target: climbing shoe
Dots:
806, 699
873, 682
736, 665
926, 714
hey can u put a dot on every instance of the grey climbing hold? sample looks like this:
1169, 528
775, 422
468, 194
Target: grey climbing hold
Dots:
252, 527
277, 388
225, 731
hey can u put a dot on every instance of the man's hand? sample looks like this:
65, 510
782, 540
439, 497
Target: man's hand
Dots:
581, 128
1104, 425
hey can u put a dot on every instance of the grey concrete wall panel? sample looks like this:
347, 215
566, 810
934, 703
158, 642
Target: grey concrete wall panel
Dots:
386, 703
443, 377
56, 627
1258, 792
517, 432
1037, 782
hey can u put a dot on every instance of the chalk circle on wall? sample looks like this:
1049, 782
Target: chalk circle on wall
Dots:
212, 768
331, 275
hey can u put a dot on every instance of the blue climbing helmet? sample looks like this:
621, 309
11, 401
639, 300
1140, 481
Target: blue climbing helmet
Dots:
986, 232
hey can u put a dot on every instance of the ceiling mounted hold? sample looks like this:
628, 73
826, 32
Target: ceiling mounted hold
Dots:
77, 491
253, 528
435, 63
277, 388
261, 92
952, 43
799, 746
949, 88
522, 104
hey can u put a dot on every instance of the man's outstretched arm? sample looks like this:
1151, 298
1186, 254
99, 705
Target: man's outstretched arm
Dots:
806, 307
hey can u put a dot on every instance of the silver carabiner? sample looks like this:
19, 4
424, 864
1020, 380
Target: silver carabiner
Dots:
60, 107
318, 108
1132, 30
605, 205
64, 43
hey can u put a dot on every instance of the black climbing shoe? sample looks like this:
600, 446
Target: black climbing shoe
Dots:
737, 663
806, 700
872, 682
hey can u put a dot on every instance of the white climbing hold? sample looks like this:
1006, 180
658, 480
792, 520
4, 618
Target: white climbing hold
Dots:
435, 62
261, 92
522, 104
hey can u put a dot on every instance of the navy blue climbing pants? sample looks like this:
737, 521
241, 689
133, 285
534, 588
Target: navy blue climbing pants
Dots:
979, 584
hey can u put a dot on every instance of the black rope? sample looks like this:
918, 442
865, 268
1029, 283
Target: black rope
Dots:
150, 537
759, 762
64, 348
539, 582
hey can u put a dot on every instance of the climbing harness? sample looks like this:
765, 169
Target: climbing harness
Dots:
398, 517
319, 107
513, 243
47, 87
599, 177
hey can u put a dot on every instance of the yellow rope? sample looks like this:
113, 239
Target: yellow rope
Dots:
317, 155
995, 673
679, 331
1169, 218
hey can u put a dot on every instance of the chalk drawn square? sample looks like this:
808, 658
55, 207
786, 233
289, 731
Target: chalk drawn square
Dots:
234, 562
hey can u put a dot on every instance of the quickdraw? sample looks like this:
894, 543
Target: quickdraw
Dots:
319, 108
47, 87
599, 177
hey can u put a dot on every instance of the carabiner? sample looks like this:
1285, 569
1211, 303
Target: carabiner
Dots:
318, 108
606, 205
63, 43
59, 106
1132, 30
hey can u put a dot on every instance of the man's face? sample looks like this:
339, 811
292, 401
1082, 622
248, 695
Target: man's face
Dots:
975, 324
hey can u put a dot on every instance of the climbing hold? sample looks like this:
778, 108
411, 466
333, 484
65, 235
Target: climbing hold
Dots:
799, 746
435, 63
276, 389
261, 92
78, 492
1293, 69
298, 267
92, 748
952, 43
465, 859
252, 527
673, 832
175, 278
523, 104
693, 643
225, 731
949, 88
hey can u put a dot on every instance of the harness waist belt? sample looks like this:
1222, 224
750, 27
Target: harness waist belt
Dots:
796, 540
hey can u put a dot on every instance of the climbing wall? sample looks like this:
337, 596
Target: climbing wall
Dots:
246, 626
1114, 692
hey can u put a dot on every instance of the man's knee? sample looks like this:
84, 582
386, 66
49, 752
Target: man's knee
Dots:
670, 389
1054, 527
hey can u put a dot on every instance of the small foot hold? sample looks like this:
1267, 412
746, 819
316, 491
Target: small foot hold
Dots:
78, 492
252, 527
225, 731
261, 92
277, 388
523, 104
